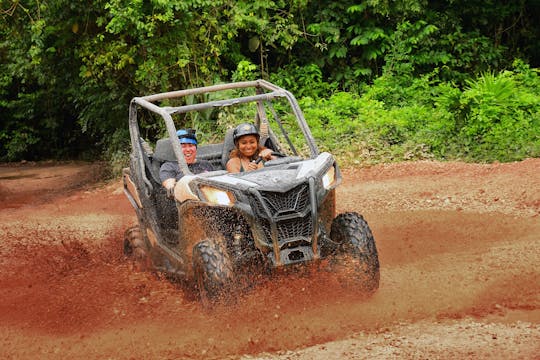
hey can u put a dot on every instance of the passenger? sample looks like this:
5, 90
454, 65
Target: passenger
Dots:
169, 172
247, 155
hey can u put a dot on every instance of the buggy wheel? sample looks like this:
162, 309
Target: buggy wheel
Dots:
213, 270
356, 250
135, 248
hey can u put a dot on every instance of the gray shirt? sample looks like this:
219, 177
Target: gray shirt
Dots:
170, 169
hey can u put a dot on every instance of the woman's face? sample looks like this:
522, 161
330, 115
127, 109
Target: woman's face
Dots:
247, 145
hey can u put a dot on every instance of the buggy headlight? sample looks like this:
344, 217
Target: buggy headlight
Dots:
217, 196
329, 178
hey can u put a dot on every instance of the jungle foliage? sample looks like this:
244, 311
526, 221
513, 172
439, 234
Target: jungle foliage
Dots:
394, 80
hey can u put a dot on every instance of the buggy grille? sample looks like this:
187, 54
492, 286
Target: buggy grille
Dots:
289, 230
290, 211
294, 200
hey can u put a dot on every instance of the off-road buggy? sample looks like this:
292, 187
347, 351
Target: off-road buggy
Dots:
221, 226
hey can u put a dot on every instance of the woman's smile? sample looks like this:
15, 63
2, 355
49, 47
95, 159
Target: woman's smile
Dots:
248, 145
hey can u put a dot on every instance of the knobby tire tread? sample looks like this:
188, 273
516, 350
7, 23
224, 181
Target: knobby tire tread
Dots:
351, 231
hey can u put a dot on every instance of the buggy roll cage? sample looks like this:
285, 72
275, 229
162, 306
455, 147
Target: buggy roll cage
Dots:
265, 92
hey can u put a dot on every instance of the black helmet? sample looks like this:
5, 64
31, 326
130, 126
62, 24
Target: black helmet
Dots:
245, 129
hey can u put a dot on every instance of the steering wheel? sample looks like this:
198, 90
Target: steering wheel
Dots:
282, 159
278, 154
274, 153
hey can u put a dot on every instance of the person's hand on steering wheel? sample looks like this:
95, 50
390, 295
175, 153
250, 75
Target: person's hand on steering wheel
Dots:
266, 154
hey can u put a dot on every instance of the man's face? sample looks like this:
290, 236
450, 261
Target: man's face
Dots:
190, 152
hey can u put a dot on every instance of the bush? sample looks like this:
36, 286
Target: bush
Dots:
496, 117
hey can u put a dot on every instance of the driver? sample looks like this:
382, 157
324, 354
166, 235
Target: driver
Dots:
169, 172
247, 155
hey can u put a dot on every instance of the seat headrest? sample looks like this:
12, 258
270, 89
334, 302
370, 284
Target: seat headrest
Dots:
164, 150
228, 146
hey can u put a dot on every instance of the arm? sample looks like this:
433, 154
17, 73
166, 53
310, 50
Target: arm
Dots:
167, 174
169, 183
233, 165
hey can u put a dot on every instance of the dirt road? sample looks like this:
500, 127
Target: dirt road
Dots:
459, 247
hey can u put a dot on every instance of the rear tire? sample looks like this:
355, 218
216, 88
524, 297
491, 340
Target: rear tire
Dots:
355, 250
213, 271
135, 247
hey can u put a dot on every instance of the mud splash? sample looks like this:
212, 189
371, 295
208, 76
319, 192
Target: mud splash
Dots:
67, 291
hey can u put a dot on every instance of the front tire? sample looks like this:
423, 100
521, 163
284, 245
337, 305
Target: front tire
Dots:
355, 249
213, 270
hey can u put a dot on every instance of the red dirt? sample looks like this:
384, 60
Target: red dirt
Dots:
458, 245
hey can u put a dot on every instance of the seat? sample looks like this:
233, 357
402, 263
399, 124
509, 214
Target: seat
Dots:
164, 150
228, 146
166, 212
211, 153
